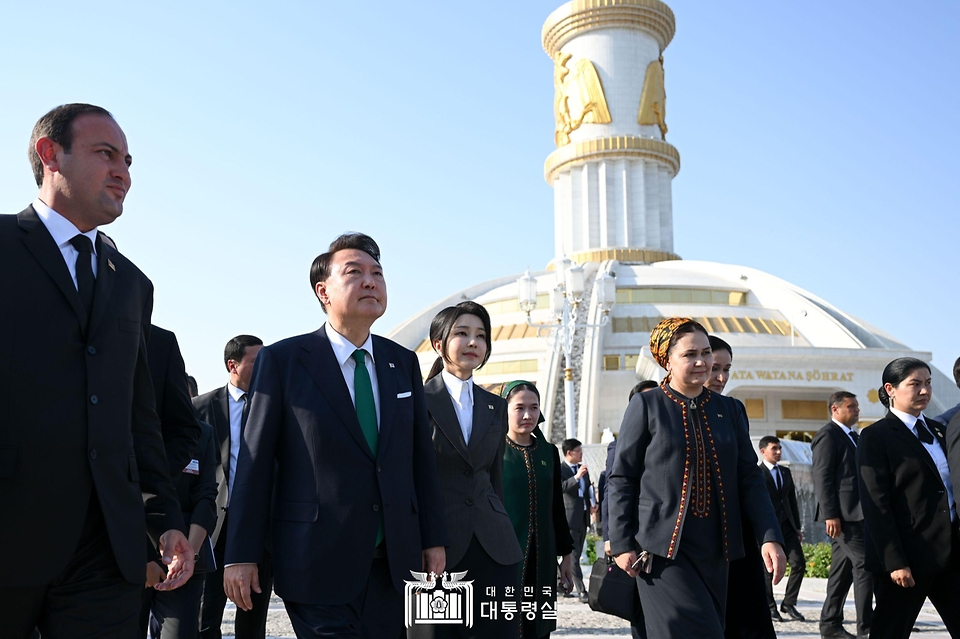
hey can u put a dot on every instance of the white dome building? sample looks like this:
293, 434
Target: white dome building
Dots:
612, 174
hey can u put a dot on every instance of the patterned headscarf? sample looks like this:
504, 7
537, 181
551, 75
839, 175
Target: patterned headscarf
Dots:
662, 334
509, 386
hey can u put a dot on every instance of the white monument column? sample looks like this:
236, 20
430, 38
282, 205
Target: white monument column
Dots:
612, 170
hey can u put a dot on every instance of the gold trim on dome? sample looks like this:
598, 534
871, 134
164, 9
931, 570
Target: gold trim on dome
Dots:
579, 16
624, 255
621, 146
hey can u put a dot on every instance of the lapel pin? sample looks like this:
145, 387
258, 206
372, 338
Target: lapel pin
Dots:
490, 406
110, 264
719, 415
390, 364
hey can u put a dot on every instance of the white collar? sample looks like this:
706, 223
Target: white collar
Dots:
235, 392
909, 420
843, 427
61, 229
455, 385
343, 348
769, 465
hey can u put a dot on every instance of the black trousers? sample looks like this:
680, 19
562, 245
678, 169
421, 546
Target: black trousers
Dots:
376, 612
249, 624
748, 615
174, 614
846, 569
798, 567
485, 573
579, 537
897, 607
91, 599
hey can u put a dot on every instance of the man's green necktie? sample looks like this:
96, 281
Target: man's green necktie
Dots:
366, 412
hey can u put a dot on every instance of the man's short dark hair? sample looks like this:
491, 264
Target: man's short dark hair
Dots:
320, 269
237, 347
641, 387
956, 372
57, 125
766, 440
570, 444
839, 397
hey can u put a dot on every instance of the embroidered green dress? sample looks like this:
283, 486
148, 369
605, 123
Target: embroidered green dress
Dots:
534, 501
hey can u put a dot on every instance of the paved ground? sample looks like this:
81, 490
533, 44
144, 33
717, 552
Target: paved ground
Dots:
577, 621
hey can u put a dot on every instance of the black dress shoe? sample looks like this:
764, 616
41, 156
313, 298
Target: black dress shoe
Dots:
837, 633
775, 615
792, 612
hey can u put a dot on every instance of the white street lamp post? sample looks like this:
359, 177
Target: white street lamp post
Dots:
565, 299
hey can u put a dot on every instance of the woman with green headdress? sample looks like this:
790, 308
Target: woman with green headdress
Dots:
683, 471
534, 501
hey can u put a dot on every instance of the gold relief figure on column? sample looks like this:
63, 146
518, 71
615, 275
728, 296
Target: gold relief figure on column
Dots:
653, 99
578, 96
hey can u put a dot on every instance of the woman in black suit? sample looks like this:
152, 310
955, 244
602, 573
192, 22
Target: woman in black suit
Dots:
469, 426
748, 614
908, 506
684, 468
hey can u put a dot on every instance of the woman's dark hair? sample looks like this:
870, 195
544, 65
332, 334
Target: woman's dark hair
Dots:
442, 325
717, 344
897, 371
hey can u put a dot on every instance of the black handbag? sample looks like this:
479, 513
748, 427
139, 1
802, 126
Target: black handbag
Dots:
614, 592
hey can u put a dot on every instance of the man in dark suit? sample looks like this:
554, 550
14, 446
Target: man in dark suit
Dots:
575, 483
223, 408
341, 415
178, 422
838, 507
80, 446
783, 495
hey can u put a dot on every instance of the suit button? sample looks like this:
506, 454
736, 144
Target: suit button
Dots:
93, 453
469, 502
468, 473
376, 507
91, 350
94, 399
378, 469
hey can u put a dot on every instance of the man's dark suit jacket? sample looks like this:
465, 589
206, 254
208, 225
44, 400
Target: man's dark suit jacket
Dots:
953, 452
835, 475
331, 490
603, 488
472, 474
76, 408
572, 501
784, 501
645, 485
905, 506
197, 493
214, 408
178, 422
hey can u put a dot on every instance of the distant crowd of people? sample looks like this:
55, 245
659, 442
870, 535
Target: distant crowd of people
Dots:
328, 471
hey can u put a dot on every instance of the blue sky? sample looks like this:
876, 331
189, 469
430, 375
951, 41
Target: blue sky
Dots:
818, 142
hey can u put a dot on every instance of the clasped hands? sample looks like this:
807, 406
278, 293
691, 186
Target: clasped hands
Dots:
177, 554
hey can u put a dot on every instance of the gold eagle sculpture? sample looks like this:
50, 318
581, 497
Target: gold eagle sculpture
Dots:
578, 96
653, 99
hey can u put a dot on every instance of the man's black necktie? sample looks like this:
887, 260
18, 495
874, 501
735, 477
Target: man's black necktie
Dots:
778, 479
85, 281
243, 412
855, 436
923, 433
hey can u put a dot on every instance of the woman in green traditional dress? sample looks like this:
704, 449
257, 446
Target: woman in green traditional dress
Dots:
534, 501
